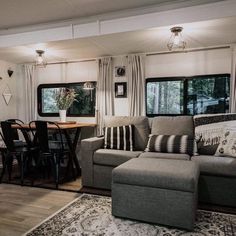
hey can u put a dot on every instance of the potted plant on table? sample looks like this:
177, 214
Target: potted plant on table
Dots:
64, 99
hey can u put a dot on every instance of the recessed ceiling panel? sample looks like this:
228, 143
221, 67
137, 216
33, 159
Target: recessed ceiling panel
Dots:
19, 13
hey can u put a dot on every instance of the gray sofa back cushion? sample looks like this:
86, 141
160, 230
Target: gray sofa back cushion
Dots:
141, 128
173, 125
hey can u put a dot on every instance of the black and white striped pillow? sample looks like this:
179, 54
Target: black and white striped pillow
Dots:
170, 144
121, 138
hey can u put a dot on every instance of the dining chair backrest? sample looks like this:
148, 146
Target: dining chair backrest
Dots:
8, 134
40, 131
2, 142
41, 134
18, 121
15, 131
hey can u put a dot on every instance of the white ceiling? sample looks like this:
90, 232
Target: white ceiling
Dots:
15, 13
197, 35
21, 13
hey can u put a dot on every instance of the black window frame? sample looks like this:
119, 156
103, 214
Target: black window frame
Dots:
185, 90
62, 85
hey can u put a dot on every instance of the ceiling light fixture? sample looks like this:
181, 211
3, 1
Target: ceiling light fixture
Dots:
40, 59
176, 41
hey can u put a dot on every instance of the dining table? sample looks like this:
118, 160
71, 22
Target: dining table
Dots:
66, 127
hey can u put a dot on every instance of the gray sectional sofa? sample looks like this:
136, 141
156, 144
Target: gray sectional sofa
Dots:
217, 182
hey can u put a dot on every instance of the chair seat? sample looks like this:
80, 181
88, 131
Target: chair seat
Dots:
21, 149
57, 145
19, 143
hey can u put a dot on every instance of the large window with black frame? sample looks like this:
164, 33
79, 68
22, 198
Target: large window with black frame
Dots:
202, 94
83, 106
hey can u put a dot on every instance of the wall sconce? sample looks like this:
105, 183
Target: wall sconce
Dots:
176, 41
40, 59
88, 86
10, 72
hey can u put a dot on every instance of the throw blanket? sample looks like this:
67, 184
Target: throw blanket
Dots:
208, 130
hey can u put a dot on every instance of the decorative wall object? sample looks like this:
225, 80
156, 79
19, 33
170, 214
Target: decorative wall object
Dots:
10, 72
119, 71
7, 95
121, 90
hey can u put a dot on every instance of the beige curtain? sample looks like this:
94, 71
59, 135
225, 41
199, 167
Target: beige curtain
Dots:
105, 98
30, 93
233, 82
136, 85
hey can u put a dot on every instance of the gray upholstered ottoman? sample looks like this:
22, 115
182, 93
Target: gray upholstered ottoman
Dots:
157, 191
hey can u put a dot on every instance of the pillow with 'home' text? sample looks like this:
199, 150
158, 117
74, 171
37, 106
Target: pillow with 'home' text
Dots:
227, 146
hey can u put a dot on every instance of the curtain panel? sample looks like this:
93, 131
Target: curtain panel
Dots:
30, 93
105, 98
136, 85
233, 82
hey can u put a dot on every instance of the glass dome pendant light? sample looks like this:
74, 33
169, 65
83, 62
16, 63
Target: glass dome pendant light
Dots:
40, 59
176, 41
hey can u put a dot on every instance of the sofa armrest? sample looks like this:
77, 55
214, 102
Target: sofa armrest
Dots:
88, 147
92, 144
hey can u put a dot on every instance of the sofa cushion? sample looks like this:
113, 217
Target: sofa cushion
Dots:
212, 165
162, 155
111, 157
141, 128
173, 125
170, 144
158, 173
119, 137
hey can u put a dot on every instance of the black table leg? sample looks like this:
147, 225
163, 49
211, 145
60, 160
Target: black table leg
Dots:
72, 146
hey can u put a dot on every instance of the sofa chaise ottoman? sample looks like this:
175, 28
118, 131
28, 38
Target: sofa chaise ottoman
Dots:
156, 191
217, 174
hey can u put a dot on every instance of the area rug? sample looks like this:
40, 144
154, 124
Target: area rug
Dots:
91, 215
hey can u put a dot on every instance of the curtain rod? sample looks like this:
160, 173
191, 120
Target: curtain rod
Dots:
188, 50
147, 54
74, 61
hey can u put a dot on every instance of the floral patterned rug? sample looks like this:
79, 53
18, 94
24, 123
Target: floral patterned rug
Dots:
91, 215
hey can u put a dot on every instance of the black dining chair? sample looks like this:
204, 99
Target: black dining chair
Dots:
51, 145
21, 153
15, 131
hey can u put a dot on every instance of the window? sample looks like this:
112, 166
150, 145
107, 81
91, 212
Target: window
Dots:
208, 94
187, 95
84, 107
165, 96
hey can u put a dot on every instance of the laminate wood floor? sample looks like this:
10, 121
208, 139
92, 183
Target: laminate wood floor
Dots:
21, 208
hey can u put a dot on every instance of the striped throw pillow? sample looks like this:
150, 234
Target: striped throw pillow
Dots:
121, 137
170, 144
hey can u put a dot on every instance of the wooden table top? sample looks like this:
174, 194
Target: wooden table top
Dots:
62, 126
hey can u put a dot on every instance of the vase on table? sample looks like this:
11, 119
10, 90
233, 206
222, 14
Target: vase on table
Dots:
62, 114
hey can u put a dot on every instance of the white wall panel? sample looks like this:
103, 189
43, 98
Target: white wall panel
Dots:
188, 64
8, 111
180, 64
